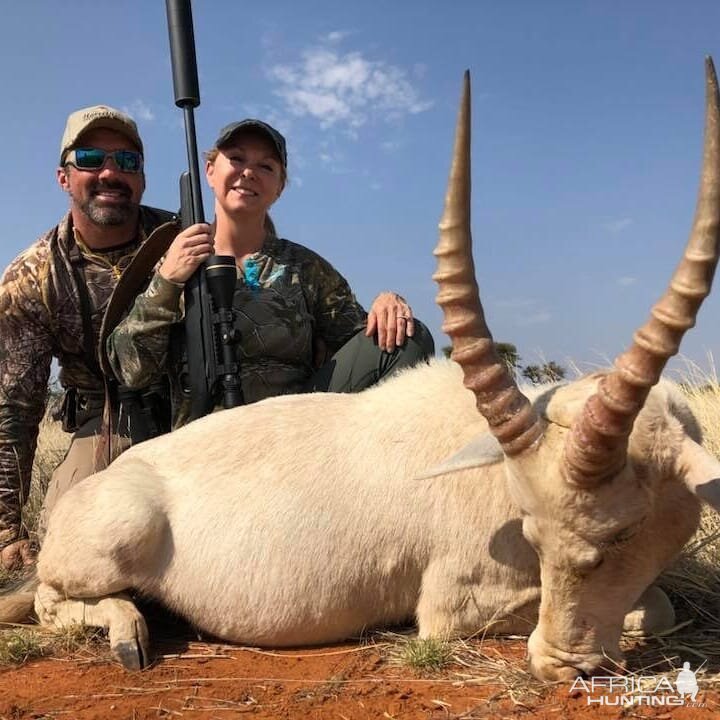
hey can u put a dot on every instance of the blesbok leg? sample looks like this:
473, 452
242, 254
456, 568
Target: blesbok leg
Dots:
116, 614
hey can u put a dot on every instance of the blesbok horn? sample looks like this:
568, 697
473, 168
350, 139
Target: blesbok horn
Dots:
511, 417
597, 445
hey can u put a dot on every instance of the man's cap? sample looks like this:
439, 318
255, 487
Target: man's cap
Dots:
229, 131
97, 116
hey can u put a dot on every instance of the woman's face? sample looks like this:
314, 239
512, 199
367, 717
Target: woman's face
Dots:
247, 175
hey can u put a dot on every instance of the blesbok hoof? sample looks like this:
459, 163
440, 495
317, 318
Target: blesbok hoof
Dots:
653, 614
129, 639
131, 654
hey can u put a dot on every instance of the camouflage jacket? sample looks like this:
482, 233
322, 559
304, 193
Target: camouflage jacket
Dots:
41, 318
287, 298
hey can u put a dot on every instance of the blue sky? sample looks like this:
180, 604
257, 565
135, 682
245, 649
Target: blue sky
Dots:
587, 132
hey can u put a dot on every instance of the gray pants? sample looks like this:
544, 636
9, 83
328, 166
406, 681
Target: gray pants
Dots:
360, 363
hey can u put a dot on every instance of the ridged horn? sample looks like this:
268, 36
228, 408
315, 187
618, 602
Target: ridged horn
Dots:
511, 417
597, 445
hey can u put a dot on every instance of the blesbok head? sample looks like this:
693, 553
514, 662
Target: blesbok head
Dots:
606, 470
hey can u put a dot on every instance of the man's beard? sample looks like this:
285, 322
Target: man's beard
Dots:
108, 215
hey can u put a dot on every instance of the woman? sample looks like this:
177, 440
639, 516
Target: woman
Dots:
292, 308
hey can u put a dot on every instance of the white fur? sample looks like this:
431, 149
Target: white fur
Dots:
302, 519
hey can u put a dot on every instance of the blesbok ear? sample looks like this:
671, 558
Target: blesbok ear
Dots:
700, 472
483, 450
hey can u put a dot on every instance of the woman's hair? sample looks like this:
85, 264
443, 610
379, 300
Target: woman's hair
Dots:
270, 225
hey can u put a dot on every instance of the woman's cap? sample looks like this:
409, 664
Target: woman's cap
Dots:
229, 131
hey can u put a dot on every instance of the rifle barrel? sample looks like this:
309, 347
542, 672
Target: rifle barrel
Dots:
182, 53
187, 91
198, 215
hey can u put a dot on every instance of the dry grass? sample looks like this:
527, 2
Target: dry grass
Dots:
490, 662
693, 583
52, 445
425, 656
20, 643
51, 448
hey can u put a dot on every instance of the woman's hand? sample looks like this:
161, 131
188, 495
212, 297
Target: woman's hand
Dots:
391, 317
188, 250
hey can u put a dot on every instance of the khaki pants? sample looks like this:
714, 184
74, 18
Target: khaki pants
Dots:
79, 462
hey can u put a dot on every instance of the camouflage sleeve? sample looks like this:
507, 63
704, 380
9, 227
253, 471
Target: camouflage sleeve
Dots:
25, 356
337, 313
138, 347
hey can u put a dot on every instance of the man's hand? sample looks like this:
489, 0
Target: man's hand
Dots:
16, 555
391, 318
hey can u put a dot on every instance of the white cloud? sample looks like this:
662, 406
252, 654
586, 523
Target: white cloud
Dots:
526, 311
626, 281
336, 37
139, 110
518, 303
420, 70
616, 226
391, 145
345, 90
537, 318
333, 159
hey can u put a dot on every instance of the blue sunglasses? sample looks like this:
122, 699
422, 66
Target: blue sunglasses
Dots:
128, 161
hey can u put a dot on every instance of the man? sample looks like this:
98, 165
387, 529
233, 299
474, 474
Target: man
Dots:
52, 299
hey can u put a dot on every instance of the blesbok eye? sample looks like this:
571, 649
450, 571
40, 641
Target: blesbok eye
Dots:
624, 535
621, 537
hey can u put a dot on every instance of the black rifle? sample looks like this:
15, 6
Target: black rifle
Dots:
211, 340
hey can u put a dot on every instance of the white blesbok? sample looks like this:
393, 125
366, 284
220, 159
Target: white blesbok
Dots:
307, 519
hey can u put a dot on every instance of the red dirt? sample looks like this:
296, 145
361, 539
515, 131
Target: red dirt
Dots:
199, 680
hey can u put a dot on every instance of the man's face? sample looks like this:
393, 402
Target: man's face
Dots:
106, 196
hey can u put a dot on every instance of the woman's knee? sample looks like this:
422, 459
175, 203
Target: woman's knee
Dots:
423, 340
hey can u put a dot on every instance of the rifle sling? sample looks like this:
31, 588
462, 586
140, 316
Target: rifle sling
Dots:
133, 281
